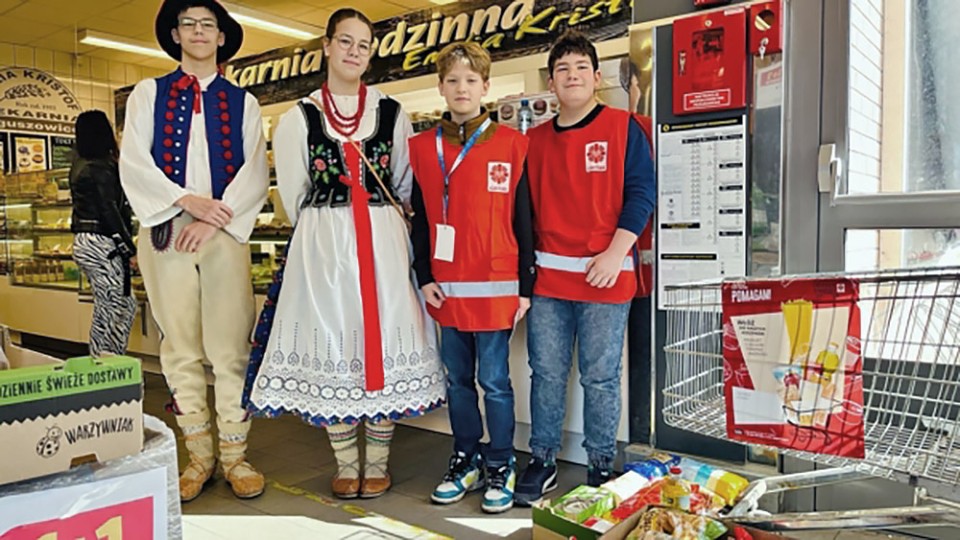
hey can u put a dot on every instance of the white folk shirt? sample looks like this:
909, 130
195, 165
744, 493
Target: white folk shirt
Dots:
153, 196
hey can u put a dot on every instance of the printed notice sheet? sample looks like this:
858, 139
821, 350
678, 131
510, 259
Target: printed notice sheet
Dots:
702, 202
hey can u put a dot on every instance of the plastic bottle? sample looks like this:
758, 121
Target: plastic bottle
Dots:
676, 491
524, 116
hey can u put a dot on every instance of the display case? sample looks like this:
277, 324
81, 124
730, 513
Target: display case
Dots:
268, 241
37, 245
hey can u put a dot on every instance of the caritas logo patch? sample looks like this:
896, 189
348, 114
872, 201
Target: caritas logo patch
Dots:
498, 177
596, 156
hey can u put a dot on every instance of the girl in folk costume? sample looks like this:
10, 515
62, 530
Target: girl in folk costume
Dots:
343, 338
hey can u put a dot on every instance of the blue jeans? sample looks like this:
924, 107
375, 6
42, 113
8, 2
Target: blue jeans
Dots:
552, 326
460, 352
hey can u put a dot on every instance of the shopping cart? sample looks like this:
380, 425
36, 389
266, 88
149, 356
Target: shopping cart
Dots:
910, 344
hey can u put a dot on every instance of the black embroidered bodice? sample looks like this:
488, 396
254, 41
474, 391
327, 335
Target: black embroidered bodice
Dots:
327, 161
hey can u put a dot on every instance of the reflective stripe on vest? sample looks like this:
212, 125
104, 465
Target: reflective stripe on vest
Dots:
553, 261
480, 289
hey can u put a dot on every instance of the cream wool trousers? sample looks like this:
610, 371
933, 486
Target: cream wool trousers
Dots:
203, 303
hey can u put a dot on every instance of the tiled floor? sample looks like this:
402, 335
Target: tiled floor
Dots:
298, 463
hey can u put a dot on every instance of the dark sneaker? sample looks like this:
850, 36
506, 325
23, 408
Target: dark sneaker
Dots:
501, 482
539, 479
597, 476
464, 474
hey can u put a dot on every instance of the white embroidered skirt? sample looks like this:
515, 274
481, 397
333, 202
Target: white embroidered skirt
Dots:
313, 362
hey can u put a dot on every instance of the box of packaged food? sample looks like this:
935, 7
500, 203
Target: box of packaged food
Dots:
549, 526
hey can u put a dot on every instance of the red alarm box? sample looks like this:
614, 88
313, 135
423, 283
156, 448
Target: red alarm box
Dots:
766, 28
710, 62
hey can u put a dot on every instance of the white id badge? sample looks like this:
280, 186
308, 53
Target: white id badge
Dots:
444, 248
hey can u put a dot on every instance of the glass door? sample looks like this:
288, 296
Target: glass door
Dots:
888, 166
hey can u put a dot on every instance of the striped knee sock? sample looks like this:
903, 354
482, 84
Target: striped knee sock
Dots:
343, 439
378, 449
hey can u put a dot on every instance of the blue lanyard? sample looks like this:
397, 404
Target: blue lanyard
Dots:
456, 163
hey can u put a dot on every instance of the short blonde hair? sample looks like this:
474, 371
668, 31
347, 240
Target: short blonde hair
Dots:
467, 52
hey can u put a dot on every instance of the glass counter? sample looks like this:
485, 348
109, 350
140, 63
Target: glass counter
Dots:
37, 245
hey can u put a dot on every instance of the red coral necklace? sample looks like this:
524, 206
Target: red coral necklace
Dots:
343, 124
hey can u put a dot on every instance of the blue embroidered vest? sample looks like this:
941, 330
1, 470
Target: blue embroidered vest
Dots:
327, 163
223, 106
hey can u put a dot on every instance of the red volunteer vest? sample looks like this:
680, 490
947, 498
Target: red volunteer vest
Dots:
481, 284
576, 186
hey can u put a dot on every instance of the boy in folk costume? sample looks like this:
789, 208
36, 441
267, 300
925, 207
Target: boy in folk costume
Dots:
343, 340
193, 164
473, 256
593, 189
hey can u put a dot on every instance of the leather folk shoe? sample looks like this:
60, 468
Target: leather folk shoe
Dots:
245, 481
374, 487
193, 478
345, 488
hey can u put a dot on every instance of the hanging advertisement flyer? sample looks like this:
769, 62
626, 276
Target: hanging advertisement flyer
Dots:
792, 366
702, 202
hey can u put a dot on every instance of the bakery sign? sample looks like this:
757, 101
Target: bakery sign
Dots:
33, 101
407, 46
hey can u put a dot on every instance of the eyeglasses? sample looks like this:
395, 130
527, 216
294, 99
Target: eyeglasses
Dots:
346, 43
207, 25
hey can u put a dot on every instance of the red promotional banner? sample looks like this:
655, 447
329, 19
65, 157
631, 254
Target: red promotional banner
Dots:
710, 62
793, 372
126, 521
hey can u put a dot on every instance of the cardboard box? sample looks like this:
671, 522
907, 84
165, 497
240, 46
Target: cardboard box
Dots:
549, 526
14, 356
757, 534
54, 415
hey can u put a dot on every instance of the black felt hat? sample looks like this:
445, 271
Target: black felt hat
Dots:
168, 19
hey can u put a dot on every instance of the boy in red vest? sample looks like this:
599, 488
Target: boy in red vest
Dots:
473, 256
592, 187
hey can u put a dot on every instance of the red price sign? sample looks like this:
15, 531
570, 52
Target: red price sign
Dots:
126, 521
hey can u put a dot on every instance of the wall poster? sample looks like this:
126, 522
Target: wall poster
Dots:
702, 186
29, 153
61, 152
